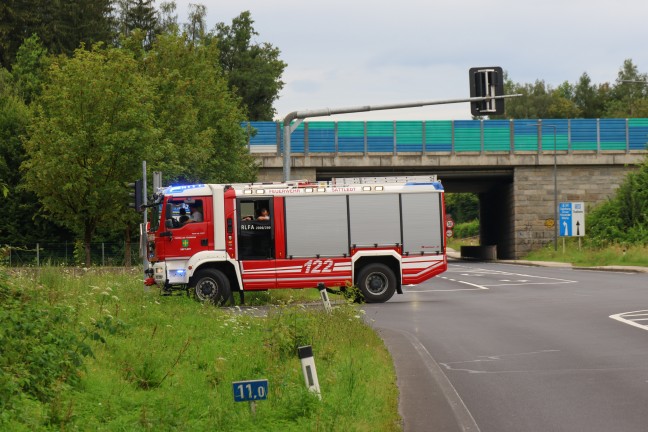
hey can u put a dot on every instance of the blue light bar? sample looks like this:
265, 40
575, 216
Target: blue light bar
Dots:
437, 185
182, 188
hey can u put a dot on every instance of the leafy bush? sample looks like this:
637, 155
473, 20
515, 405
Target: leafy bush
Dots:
624, 218
463, 207
466, 229
41, 351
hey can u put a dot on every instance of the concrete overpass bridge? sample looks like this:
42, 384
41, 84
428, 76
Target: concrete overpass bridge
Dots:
508, 163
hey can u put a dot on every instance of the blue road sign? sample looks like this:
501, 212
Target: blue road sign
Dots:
571, 219
250, 391
565, 219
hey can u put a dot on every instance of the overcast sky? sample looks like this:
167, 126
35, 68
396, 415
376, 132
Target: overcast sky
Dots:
343, 53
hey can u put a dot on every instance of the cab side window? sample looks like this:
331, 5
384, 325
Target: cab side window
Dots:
255, 229
181, 213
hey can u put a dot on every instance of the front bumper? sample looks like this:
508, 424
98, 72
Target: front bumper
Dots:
169, 273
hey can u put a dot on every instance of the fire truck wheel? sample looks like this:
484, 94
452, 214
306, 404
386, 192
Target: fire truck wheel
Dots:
213, 286
377, 283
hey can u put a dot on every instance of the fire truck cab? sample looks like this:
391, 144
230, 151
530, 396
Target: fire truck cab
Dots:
378, 233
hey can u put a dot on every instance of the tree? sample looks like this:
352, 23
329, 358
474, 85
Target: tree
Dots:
629, 97
29, 69
199, 118
195, 28
464, 207
23, 221
14, 117
253, 70
624, 218
61, 25
589, 98
167, 18
138, 15
88, 136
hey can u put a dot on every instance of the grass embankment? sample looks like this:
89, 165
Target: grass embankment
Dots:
587, 256
168, 363
614, 255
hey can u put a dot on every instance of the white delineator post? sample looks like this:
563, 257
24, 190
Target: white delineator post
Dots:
308, 368
324, 296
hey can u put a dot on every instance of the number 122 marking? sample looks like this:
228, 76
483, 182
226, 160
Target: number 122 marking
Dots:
318, 266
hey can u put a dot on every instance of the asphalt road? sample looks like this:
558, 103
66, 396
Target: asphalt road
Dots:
497, 347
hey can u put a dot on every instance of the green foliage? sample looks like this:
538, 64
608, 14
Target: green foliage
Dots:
22, 222
195, 28
41, 350
624, 218
582, 99
593, 254
30, 67
463, 207
253, 70
61, 25
140, 15
173, 366
466, 229
199, 118
352, 294
87, 137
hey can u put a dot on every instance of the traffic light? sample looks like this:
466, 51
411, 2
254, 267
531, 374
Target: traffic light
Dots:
137, 195
486, 82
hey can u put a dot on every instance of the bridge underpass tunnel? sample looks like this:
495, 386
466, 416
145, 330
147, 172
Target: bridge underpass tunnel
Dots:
496, 218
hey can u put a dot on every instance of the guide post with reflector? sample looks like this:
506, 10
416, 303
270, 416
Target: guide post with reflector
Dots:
308, 368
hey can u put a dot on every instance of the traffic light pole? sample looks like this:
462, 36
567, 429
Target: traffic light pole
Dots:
299, 116
145, 219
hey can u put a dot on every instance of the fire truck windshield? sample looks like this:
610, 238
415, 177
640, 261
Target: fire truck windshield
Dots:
156, 214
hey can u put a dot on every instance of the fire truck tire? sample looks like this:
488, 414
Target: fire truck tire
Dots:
377, 283
213, 286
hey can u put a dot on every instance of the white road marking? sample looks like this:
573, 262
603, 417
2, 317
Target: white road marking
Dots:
525, 279
465, 420
627, 318
450, 365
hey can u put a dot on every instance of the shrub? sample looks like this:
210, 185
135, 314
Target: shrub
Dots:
624, 218
41, 351
466, 229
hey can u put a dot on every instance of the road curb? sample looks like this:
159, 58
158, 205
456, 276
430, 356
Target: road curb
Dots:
632, 269
427, 399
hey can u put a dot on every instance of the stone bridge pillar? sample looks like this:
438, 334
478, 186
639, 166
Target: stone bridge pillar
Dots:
532, 204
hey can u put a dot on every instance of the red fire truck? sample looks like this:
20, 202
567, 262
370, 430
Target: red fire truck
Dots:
380, 234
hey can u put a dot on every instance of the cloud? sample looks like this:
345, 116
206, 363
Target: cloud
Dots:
346, 53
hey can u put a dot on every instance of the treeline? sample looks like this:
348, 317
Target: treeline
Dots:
90, 88
627, 97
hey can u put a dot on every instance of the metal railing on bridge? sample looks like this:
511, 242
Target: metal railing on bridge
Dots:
452, 136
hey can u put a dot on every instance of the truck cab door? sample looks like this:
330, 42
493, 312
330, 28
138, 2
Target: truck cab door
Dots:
190, 234
256, 243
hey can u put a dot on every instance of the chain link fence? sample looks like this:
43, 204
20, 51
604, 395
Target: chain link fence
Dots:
70, 254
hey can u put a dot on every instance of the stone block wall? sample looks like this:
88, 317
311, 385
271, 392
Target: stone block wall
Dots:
533, 198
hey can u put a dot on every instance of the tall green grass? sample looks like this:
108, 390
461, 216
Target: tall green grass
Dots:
168, 363
588, 255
